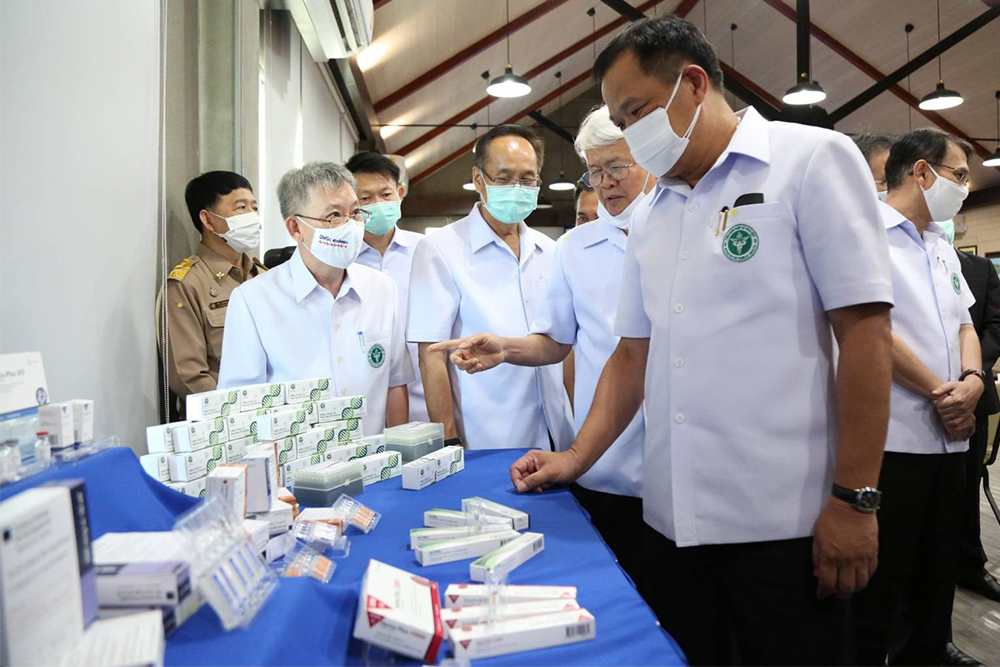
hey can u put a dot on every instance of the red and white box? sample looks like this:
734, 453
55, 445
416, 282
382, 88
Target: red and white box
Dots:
400, 612
467, 595
524, 634
458, 616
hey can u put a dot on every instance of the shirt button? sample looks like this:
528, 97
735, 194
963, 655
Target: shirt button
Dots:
336, 327
685, 254
679, 308
679, 418
693, 207
678, 362
340, 360
343, 392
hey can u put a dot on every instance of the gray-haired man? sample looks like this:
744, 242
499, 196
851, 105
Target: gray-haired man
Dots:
319, 314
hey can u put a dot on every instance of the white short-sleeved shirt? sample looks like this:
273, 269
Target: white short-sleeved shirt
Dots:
465, 280
396, 263
932, 303
741, 425
579, 309
284, 326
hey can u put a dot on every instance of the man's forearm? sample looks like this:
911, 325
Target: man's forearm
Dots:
534, 350
972, 354
569, 377
864, 374
909, 371
437, 388
397, 406
618, 397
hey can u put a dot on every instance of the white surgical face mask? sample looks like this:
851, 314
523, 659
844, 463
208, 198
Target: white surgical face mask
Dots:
653, 142
882, 195
944, 198
244, 231
623, 219
337, 247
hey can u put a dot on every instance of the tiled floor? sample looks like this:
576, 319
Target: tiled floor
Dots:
976, 620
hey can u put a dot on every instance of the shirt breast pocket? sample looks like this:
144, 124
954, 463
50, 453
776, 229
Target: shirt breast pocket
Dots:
216, 317
756, 235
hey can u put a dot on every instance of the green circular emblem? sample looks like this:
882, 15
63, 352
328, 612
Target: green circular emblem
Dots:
376, 355
956, 283
740, 243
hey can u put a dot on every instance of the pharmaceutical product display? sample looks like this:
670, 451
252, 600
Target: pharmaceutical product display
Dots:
415, 440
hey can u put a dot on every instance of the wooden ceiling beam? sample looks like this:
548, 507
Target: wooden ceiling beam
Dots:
451, 63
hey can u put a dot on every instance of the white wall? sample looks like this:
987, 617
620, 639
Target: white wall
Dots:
78, 200
303, 121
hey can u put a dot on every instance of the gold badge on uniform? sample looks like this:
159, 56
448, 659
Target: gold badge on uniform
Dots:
213, 291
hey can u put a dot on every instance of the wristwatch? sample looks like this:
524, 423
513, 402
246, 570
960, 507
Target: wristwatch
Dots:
973, 371
865, 499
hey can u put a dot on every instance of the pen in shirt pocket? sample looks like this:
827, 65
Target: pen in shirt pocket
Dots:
361, 341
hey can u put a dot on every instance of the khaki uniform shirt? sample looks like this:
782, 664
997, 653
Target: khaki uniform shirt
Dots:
198, 290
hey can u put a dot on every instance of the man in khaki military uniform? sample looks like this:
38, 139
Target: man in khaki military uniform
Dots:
224, 210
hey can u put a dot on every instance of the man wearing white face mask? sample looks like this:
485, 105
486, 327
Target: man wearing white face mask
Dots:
224, 211
487, 272
320, 314
388, 248
578, 309
759, 238
937, 382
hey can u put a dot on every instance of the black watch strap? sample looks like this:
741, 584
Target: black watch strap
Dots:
453, 442
865, 500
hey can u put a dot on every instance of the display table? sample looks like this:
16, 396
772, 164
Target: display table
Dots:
308, 623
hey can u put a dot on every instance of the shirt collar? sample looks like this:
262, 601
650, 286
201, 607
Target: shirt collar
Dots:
304, 282
893, 218
752, 139
481, 235
216, 263
605, 231
399, 238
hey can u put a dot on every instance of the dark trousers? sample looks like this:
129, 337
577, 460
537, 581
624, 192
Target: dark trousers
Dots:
619, 521
748, 604
918, 546
971, 557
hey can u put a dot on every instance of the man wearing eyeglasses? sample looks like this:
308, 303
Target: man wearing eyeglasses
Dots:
937, 382
487, 272
320, 314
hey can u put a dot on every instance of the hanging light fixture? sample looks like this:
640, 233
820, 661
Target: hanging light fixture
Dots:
940, 97
562, 183
508, 84
994, 160
470, 186
805, 91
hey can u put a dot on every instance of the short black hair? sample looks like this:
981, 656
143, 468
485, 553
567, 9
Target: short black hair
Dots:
662, 45
925, 144
483, 143
581, 187
206, 190
370, 162
874, 143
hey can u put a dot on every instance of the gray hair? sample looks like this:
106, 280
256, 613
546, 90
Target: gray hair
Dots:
296, 185
596, 131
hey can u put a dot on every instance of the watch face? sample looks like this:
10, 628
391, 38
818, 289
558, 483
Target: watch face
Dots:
868, 499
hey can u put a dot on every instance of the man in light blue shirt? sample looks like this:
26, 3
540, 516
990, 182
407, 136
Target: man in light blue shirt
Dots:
578, 313
320, 314
388, 248
937, 382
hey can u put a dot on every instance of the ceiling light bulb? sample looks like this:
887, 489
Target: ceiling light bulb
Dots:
508, 84
804, 94
940, 98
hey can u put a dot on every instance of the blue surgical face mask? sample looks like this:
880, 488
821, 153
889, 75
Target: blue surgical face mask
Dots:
949, 230
385, 215
510, 204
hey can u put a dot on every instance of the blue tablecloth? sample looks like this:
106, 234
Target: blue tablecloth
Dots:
307, 623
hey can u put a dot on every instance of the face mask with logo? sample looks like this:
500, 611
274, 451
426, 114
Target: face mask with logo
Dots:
623, 219
337, 247
385, 215
653, 142
510, 204
244, 231
944, 198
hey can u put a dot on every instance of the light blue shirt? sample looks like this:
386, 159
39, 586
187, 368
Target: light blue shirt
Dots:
396, 264
932, 303
466, 280
579, 309
284, 326
741, 423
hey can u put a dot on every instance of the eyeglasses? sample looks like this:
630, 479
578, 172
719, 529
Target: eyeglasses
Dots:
961, 174
523, 182
336, 219
616, 172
